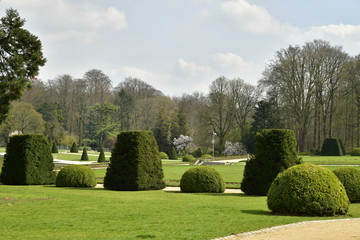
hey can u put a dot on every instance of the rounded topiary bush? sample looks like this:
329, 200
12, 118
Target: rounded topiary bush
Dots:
206, 156
188, 158
350, 178
163, 155
76, 176
202, 179
307, 189
355, 152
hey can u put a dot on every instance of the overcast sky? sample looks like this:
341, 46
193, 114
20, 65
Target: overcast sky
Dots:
181, 46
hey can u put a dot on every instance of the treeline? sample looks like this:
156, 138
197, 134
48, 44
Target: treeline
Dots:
312, 89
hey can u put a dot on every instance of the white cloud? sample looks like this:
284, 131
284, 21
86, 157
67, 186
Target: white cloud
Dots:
252, 18
189, 69
70, 18
144, 75
229, 60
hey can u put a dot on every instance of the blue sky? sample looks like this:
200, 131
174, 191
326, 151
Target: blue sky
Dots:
181, 46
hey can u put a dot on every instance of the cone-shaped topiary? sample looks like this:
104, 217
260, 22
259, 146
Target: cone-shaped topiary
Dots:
331, 147
275, 152
202, 179
84, 155
172, 153
308, 189
101, 157
76, 176
135, 163
74, 148
28, 160
350, 178
54, 148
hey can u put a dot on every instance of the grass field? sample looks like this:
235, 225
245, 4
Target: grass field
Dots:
47, 212
77, 156
332, 160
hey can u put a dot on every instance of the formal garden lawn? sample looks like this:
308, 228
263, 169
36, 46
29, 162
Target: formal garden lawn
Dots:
48, 212
332, 160
77, 156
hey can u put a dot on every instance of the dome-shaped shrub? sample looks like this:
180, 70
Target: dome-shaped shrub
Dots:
350, 178
355, 152
202, 179
76, 176
206, 156
188, 158
163, 155
307, 189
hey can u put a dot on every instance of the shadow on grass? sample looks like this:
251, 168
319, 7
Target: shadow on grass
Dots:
257, 212
218, 194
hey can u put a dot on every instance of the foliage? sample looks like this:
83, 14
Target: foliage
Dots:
20, 56
355, 152
331, 147
163, 155
172, 153
74, 148
275, 152
202, 179
54, 148
76, 176
135, 163
234, 149
197, 153
308, 189
84, 155
206, 156
181, 143
188, 158
28, 160
101, 157
350, 178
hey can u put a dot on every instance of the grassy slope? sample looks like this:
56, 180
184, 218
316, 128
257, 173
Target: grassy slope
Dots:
45, 212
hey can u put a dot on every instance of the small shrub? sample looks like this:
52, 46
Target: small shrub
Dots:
198, 153
172, 153
355, 152
74, 148
188, 158
84, 155
135, 163
54, 148
76, 176
206, 156
331, 147
202, 179
163, 155
308, 189
101, 157
28, 161
350, 178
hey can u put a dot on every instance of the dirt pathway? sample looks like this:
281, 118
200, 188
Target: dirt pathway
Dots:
344, 229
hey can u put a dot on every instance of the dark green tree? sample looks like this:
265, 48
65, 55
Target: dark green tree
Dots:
54, 148
20, 57
74, 148
101, 157
126, 104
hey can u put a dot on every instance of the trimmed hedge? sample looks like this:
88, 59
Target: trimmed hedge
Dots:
54, 148
76, 176
275, 152
84, 155
163, 155
355, 152
188, 158
135, 163
202, 179
101, 157
350, 178
332, 147
74, 148
206, 156
28, 161
172, 153
308, 189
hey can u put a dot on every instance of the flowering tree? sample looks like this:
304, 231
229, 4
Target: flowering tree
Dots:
233, 149
182, 143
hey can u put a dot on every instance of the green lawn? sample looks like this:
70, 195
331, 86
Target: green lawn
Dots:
332, 160
47, 212
77, 156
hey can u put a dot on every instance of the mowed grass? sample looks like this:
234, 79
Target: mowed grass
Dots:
332, 160
48, 212
77, 156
